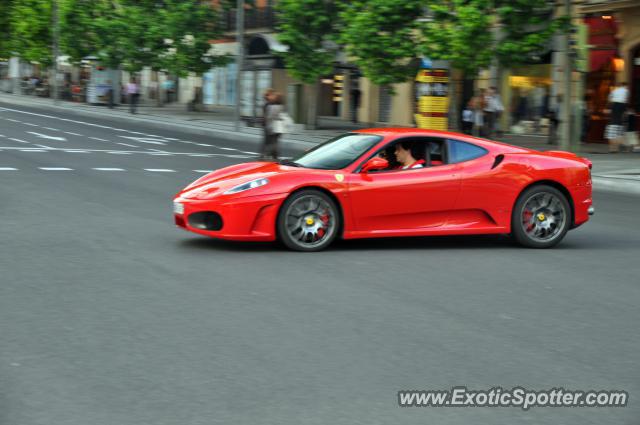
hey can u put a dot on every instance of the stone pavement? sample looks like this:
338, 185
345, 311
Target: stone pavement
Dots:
617, 172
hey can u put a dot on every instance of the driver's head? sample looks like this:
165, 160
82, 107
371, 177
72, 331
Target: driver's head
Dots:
403, 153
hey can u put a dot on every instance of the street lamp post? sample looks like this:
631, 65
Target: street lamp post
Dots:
239, 58
565, 140
56, 49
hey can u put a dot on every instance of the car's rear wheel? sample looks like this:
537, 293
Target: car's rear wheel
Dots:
308, 221
541, 217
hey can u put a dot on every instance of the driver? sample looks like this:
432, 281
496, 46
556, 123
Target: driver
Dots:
405, 157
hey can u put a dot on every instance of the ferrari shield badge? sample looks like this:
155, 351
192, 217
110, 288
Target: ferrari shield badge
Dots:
339, 177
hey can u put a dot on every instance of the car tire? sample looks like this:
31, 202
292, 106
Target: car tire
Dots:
308, 221
541, 217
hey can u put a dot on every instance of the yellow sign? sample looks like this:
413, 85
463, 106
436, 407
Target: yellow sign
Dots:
432, 99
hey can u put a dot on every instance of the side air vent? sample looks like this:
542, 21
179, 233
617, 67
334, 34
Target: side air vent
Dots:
497, 161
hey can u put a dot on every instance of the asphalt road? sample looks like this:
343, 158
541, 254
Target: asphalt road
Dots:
111, 315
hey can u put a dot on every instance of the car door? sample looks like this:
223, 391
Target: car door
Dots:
403, 201
485, 188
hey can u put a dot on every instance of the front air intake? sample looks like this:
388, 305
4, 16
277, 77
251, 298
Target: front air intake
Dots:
205, 220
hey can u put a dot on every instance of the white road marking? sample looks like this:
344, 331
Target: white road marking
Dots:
148, 140
42, 146
160, 170
50, 128
203, 144
126, 144
109, 169
76, 151
116, 152
8, 169
55, 169
161, 154
17, 140
32, 125
98, 139
203, 171
228, 149
202, 155
72, 133
2, 135
9, 119
44, 136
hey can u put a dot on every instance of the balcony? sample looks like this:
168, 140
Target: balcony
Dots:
262, 17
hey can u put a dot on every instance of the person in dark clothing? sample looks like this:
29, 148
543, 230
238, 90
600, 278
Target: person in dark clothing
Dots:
355, 103
272, 109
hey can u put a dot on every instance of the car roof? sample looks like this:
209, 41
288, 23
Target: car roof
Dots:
420, 132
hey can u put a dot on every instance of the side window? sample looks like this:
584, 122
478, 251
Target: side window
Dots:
462, 151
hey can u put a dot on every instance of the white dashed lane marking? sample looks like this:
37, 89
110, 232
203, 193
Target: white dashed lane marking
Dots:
17, 140
203, 171
126, 144
32, 150
44, 136
159, 170
98, 139
109, 169
72, 133
50, 128
8, 169
32, 125
55, 169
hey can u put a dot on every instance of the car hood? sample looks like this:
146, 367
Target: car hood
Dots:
229, 177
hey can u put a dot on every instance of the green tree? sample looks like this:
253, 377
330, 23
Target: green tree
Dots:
5, 28
305, 26
527, 27
382, 38
94, 28
460, 31
30, 36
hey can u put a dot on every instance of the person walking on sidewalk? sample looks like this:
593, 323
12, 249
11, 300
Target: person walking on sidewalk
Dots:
478, 105
133, 93
272, 110
618, 99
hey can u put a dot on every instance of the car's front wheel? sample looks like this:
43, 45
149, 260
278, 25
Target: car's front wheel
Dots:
541, 217
308, 221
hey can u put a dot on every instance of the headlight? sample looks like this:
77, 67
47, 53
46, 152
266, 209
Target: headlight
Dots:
178, 208
246, 186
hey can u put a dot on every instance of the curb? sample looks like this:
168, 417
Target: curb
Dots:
618, 185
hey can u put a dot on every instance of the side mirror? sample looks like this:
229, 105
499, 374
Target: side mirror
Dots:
375, 164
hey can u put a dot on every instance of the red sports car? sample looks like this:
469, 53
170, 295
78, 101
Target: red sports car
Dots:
393, 182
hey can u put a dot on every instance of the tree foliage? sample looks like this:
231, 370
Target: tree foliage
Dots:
30, 24
382, 37
460, 31
306, 27
527, 27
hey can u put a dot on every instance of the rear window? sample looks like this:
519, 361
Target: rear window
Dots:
463, 151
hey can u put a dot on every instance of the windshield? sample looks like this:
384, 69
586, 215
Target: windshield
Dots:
337, 153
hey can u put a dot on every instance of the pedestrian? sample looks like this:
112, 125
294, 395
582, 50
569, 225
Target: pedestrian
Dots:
614, 132
355, 103
478, 105
467, 119
133, 92
492, 108
554, 120
272, 109
110, 95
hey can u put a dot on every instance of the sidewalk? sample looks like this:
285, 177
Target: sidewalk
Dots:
616, 172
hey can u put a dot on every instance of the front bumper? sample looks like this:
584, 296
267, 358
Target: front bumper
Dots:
247, 218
